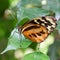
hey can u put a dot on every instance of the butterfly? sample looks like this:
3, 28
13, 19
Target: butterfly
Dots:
38, 29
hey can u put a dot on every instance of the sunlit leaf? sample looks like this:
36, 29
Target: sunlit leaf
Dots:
45, 45
13, 3
17, 41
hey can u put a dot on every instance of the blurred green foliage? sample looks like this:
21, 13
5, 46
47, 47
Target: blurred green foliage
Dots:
4, 4
40, 56
16, 12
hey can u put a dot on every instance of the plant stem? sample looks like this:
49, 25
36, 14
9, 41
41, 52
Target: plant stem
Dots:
38, 47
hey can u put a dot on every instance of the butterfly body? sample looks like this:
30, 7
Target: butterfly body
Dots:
39, 28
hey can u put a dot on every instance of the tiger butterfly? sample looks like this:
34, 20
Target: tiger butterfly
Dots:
38, 29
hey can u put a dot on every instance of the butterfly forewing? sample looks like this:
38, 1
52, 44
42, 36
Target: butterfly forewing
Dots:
39, 28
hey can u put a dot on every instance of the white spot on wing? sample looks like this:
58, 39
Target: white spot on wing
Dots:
36, 21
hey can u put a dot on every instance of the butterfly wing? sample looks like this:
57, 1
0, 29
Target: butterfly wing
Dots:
39, 28
35, 32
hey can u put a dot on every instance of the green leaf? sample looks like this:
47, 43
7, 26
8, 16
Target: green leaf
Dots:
21, 23
24, 42
30, 13
16, 41
28, 2
53, 5
36, 56
31, 8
